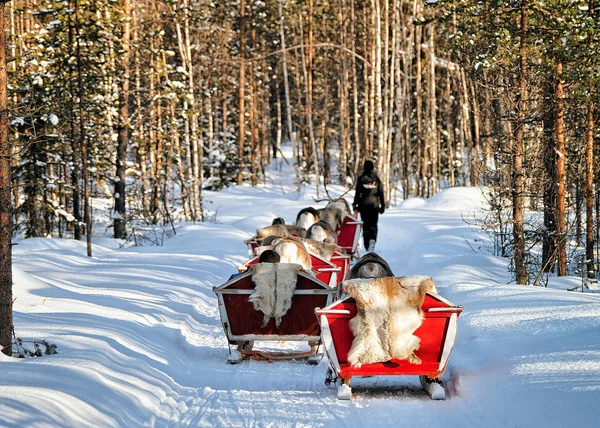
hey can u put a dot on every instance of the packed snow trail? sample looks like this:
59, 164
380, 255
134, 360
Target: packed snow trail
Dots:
140, 341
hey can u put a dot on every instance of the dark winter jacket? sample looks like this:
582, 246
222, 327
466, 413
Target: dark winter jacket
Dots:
369, 192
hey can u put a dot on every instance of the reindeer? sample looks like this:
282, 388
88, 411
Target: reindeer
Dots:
307, 217
277, 220
279, 230
322, 231
371, 265
336, 209
323, 249
292, 250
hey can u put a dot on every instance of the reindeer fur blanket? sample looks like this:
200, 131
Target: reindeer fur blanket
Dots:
389, 312
274, 287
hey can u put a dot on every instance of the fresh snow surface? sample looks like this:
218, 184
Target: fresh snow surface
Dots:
140, 340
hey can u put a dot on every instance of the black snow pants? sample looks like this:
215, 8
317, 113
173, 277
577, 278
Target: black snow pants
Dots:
370, 217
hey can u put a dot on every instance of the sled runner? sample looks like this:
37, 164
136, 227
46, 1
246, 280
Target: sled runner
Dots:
437, 333
243, 324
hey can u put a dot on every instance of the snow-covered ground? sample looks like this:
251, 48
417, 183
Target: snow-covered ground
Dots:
140, 341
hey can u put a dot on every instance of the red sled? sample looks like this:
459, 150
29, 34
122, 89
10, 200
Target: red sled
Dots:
349, 235
437, 333
243, 324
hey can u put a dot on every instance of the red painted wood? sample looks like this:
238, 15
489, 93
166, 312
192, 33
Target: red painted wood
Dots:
346, 235
343, 262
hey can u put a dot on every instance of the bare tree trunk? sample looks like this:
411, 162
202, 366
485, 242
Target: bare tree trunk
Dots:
286, 88
561, 221
449, 129
549, 157
431, 160
75, 150
355, 120
179, 164
466, 152
419, 110
476, 152
343, 95
589, 188
241, 94
518, 154
6, 317
378, 91
253, 116
433, 131
372, 80
309, 115
407, 69
123, 127
87, 216
279, 135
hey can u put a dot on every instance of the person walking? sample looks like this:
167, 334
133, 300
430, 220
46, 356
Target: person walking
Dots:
369, 202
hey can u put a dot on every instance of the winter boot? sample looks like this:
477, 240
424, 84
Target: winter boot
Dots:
371, 245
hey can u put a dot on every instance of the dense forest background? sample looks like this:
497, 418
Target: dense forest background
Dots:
151, 102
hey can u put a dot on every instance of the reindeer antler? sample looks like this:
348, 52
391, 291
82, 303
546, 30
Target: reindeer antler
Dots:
329, 198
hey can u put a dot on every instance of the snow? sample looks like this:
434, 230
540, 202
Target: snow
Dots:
140, 341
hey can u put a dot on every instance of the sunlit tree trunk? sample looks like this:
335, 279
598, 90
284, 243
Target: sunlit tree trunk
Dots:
589, 182
6, 318
241, 93
561, 221
309, 117
518, 178
123, 127
286, 89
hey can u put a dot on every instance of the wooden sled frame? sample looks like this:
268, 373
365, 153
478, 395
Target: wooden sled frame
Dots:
437, 333
242, 323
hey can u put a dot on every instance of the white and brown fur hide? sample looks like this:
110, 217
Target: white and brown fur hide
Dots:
274, 288
293, 250
389, 312
322, 231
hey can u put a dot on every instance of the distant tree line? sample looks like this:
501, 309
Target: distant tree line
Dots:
151, 102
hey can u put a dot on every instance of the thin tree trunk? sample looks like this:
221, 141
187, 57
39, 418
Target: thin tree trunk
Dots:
589, 188
343, 95
252, 111
286, 88
6, 317
355, 120
419, 111
518, 154
561, 221
378, 89
476, 152
309, 116
123, 127
75, 150
87, 216
549, 239
449, 130
241, 94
